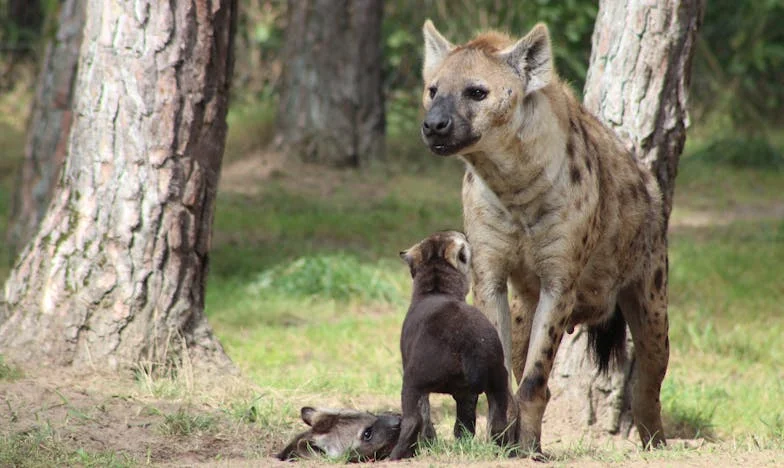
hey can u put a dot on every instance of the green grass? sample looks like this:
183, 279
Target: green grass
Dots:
277, 303
727, 300
185, 423
307, 294
42, 446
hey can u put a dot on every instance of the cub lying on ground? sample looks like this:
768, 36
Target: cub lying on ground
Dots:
342, 433
447, 345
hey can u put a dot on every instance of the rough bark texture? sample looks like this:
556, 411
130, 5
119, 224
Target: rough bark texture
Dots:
116, 273
48, 129
637, 84
331, 106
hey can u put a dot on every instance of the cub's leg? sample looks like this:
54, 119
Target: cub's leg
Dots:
411, 423
427, 432
465, 423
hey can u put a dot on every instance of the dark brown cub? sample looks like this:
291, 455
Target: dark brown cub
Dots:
447, 345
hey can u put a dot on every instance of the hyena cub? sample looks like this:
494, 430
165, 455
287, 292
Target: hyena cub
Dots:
342, 433
557, 208
447, 345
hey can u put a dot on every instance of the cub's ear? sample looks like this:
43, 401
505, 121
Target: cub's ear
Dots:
532, 58
411, 257
308, 414
458, 254
320, 420
436, 49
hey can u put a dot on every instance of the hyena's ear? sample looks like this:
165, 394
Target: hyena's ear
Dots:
436, 48
532, 58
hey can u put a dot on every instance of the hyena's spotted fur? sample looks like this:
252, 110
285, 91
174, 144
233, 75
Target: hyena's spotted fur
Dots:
555, 207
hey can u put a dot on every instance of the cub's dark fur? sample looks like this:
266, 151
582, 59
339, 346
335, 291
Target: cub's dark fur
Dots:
447, 345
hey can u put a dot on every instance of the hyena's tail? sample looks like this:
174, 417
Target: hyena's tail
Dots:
607, 341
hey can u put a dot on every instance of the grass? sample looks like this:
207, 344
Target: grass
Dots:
43, 446
307, 295
184, 423
273, 301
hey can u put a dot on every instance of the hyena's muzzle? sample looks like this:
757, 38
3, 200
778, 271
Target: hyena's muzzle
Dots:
444, 130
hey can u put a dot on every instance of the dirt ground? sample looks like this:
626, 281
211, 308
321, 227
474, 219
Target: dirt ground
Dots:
114, 413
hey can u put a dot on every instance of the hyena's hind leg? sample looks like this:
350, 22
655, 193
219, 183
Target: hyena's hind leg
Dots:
644, 306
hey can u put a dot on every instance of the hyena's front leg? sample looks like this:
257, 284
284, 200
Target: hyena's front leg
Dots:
490, 296
546, 333
524, 289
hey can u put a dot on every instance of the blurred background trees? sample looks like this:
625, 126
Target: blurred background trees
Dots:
736, 89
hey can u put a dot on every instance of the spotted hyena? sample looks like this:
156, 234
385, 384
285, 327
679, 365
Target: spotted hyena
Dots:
447, 345
555, 207
344, 434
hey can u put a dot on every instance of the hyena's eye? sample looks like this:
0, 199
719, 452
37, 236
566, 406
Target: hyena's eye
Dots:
432, 90
475, 93
368, 434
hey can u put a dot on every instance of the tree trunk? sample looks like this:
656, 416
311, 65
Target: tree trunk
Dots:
48, 129
637, 84
117, 271
331, 106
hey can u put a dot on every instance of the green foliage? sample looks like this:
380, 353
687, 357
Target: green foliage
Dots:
740, 152
338, 276
739, 64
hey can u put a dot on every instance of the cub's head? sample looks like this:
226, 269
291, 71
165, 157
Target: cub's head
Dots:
343, 433
446, 254
473, 91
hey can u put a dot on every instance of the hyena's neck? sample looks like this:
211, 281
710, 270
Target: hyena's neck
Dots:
529, 163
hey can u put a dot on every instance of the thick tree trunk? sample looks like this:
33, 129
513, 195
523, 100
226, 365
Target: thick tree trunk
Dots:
331, 106
637, 84
116, 273
49, 128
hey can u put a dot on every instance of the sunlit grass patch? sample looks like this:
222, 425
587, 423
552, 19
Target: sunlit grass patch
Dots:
464, 449
336, 276
42, 446
727, 299
689, 409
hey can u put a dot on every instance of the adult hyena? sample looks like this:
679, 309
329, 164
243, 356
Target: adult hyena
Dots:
555, 207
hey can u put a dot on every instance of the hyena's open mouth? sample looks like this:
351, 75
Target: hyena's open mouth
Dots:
443, 148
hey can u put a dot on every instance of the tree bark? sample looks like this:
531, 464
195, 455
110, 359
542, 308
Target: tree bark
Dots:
331, 107
637, 84
117, 271
48, 128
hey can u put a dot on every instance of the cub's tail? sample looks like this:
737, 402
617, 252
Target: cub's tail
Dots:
607, 341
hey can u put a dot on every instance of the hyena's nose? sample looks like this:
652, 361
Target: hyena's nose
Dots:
437, 125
